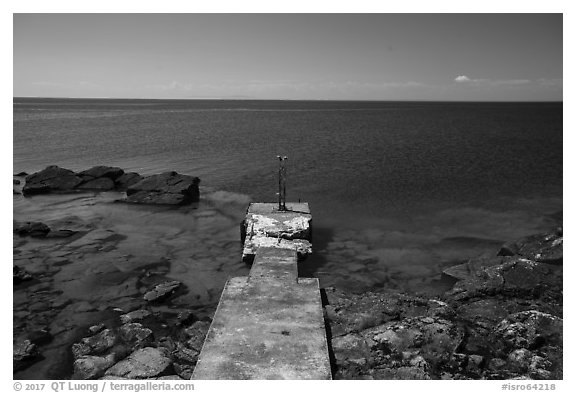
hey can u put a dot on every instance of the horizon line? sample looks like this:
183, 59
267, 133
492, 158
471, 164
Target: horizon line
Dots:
279, 99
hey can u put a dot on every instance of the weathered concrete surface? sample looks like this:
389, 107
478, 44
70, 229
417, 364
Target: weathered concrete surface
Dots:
269, 325
266, 328
272, 263
266, 226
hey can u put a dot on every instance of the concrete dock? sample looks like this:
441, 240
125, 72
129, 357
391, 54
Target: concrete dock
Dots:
269, 325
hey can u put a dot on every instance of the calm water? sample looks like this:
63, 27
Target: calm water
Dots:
397, 189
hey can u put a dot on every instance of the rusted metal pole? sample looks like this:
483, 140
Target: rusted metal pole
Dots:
282, 183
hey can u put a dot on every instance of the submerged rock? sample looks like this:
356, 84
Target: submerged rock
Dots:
162, 291
19, 275
134, 316
169, 188
23, 353
32, 229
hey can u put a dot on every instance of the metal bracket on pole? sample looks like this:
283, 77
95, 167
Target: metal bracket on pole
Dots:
282, 183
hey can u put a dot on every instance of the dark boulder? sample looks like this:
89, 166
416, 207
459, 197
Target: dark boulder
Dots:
21, 174
96, 344
169, 188
96, 172
127, 179
546, 248
515, 277
15, 181
20, 275
51, 179
33, 229
99, 184
23, 353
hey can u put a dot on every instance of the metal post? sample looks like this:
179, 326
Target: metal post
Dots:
282, 183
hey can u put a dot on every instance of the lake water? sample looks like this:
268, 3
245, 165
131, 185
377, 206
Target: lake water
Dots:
397, 189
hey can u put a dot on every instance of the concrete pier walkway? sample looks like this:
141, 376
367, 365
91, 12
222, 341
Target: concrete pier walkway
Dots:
270, 324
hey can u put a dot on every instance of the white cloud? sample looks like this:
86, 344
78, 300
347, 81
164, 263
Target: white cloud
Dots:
462, 78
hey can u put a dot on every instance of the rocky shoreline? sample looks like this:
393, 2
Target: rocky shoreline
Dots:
169, 188
502, 319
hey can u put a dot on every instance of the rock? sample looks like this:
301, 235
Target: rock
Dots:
135, 316
197, 334
472, 267
136, 335
169, 188
96, 328
172, 377
474, 364
15, 181
351, 347
528, 329
21, 174
187, 355
127, 179
95, 345
435, 341
348, 312
144, 363
23, 352
100, 184
19, 275
60, 234
51, 179
96, 172
33, 229
184, 371
545, 248
162, 291
92, 367
515, 277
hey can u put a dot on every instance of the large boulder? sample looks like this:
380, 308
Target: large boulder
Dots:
144, 363
515, 276
169, 188
546, 248
92, 367
99, 184
127, 179
30, 228
51, 179
109, 172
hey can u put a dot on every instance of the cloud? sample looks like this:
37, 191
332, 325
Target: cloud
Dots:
462, 78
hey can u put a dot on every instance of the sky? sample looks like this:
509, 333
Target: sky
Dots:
468, 57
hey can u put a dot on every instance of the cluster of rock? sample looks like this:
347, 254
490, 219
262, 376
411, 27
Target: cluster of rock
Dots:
134, 350
169, 188
501, 320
